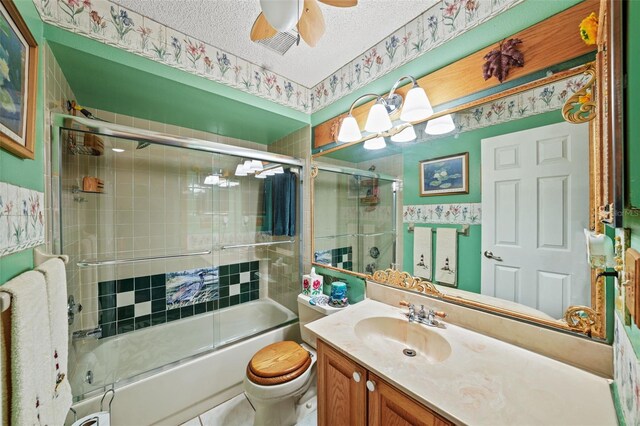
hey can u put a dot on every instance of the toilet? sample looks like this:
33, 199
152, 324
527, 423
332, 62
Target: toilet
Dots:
279, 377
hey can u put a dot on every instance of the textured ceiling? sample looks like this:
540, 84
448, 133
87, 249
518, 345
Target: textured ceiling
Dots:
226, 24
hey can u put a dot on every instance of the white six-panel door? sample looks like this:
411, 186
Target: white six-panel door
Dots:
535, 204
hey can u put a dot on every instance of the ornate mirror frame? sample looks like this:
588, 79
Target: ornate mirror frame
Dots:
592, 103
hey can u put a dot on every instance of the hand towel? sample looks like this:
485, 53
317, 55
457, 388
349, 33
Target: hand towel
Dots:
56, 286
283, 203
32, 386
446, 267
422, 253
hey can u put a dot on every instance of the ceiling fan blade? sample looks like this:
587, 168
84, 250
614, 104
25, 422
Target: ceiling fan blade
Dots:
262, 29
340, 3
311, 25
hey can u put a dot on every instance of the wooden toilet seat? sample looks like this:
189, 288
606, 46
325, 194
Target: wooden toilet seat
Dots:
278, 363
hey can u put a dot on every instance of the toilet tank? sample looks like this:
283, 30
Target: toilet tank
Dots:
308, 313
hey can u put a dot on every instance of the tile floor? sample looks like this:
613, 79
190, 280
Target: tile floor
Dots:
237, 412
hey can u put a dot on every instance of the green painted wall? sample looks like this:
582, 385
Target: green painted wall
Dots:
469, 247
633, 104
26, 173
112, 79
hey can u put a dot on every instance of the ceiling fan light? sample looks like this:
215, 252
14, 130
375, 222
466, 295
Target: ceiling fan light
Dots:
240, 170
349, 130
212, 180
256, 165
375, 143
440, 125
282, 15
378, 119
406, 135
416, 105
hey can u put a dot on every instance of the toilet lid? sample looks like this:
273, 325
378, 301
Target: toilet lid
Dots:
278, 363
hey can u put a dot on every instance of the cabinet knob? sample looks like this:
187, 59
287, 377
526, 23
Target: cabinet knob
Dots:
371, 385
356, 377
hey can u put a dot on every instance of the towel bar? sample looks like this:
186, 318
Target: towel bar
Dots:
464, 230
5, 301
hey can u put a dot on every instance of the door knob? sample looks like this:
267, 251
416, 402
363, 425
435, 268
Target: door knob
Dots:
356, 377
489, 255
371, 385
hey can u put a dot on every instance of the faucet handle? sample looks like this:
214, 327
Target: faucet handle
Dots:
405, 303
440, 314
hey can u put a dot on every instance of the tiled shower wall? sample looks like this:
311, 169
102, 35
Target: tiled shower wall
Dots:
150, 208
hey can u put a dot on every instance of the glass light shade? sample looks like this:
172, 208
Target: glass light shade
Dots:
416, 105
256, 165
233, 183
407, 135
278, 170
240, 171
212, 180
349, 130
375, 143
282, 15
378, 119
440, 125
262, 175
247, 166
117, 149
224, 183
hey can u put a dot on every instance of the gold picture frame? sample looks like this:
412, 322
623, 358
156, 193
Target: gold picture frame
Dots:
18, 82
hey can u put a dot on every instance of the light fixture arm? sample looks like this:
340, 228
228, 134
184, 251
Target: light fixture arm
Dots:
400, 80
368, 95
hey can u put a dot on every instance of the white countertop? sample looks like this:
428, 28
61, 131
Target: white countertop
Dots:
484, 381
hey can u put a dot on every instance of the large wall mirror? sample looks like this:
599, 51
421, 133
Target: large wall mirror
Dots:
491, 215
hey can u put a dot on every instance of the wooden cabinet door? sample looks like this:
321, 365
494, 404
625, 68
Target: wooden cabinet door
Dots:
341, 397
388, 406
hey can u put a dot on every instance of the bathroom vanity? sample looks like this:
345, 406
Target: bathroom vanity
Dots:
455, 376
350, 394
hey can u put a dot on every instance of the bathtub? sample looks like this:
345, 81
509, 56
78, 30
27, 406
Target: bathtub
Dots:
212, 350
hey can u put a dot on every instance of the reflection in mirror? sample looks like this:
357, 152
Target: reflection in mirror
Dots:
355, 213
526, 204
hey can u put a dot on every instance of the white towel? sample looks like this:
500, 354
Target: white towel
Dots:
446, 256
56, 283
31, 358
422, 253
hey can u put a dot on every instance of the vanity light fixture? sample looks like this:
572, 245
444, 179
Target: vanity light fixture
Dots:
212, 180
241, 170
117, 149
375, 143
440, 125
414, 107
406, 135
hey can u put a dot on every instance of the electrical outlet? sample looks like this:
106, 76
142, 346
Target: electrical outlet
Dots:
632, 283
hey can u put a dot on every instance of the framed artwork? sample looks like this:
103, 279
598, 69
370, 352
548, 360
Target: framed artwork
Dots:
445, 175
18, 82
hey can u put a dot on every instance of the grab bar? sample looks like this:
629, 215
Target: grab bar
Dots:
270, 243
85, 263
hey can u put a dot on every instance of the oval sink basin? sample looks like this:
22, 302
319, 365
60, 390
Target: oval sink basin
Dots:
396, 335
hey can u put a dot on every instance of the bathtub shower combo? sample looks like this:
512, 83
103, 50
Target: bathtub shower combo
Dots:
177, 254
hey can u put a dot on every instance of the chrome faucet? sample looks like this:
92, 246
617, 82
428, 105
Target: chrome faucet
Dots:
90, 333
423, 317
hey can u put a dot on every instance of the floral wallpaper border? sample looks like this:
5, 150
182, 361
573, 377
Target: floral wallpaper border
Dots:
112, 24
441, 23
539, 100
458, 214
626, 374
21, 218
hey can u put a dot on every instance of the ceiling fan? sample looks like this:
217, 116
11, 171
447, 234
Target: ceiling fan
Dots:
284, 15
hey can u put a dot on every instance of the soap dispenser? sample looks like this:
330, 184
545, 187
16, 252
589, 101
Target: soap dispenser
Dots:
312, 284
